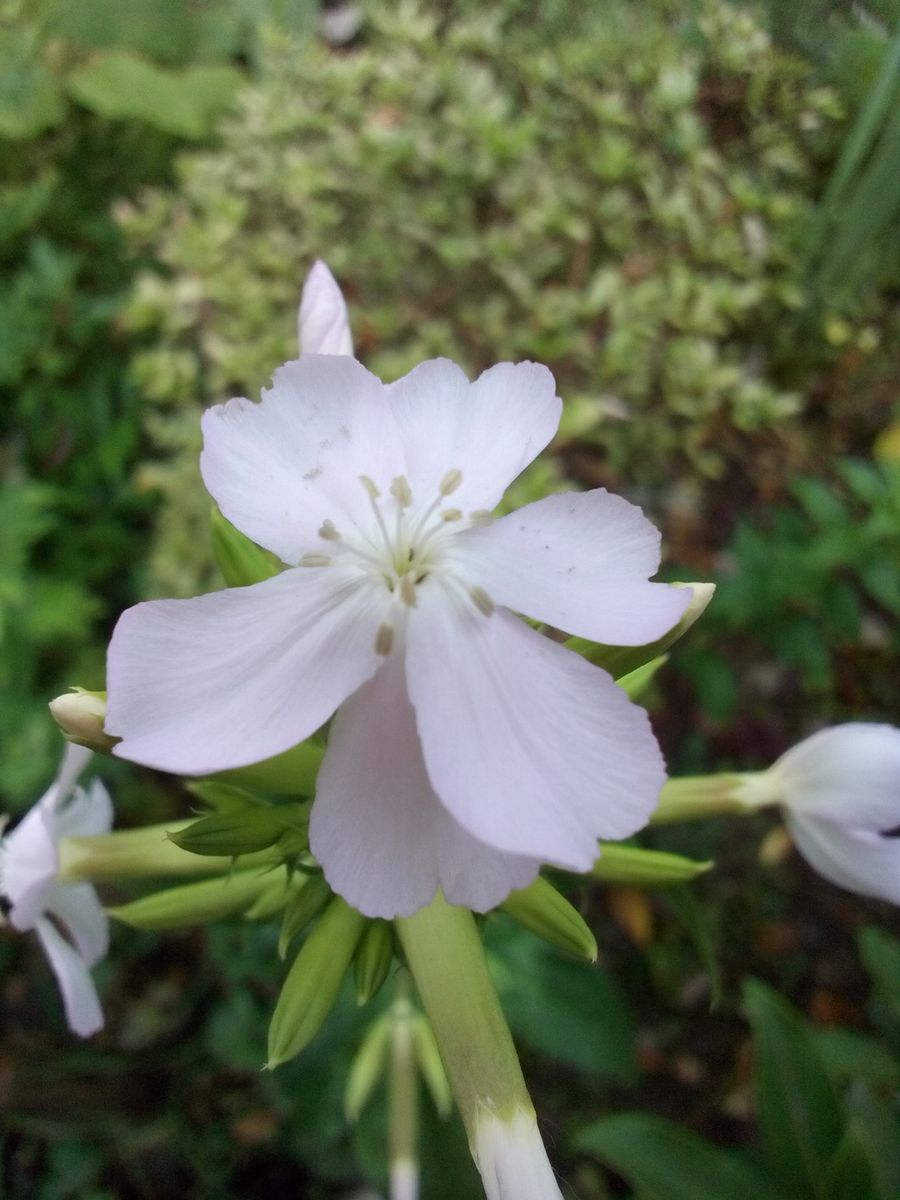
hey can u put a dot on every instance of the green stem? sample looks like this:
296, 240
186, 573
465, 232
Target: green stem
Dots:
697, 796
446, 957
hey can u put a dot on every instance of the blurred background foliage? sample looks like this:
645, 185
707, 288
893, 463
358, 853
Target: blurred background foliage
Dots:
690, 212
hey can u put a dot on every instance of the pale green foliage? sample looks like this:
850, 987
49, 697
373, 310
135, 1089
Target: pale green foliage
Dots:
615, 191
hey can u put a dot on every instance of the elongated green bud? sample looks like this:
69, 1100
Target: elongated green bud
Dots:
241, 561
622, 660
246, 830
636, 682
374, 956
80, 715
428, 1056
195, 903
403, 1104
313, 982
312, 895
542, 910
367, 1067
632, 864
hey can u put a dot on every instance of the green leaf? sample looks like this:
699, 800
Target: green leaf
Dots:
695, 918
121, 85
878, 1124
849, 1054
30, 97
665, 1162
880, 953
850, 1174
797, 1105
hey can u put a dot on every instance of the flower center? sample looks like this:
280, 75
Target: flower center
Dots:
402, 548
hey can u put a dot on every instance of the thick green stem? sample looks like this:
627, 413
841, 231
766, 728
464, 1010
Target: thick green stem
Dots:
698, 796
447, 960
143, 853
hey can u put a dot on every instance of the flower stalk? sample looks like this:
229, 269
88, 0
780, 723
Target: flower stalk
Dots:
698, 796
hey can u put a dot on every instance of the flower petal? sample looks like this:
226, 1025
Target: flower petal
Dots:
88, 813
859, 860
532, 749
578, 561
80, 999
29, 861
512, 1159
279, 468
384, 840
490, 430
77, 905
74, 760
848, 774
323, 326
234, 677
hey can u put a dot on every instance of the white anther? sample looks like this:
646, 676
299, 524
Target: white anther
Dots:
408, 590
401, 491
370, 486
384, 638
480, 516
328, 531
451, 481
451, 514
315, 560
481, 600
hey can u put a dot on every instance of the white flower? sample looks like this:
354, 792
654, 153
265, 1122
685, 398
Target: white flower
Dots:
512, 1159
840, 794
467, 749
33, 898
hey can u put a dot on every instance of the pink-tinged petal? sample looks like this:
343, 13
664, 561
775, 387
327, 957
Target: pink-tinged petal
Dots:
279, 468
383, 838
580, 562
323, 326
234, 677
29, 861
490, 430
859, 860
79, 994
77, 906
532, 749
849, 774
88, 813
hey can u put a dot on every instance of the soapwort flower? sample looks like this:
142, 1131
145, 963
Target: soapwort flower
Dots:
839, 792
33, 898
466, 749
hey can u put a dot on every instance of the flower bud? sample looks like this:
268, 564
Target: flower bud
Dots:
196, 903
374, 956
544, 912
313, 982
247, 830
323, 326
306, 902
431, 1065
632, 864
367, 1067
80, 715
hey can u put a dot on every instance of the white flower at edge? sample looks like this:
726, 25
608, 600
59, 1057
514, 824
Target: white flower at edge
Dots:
32, 897
466, 749
840, 794
512, 1160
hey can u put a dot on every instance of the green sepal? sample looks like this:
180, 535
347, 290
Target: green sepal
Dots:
291, 773
195, 903
622, 660
636, 682
367, 1067
542, 910
311, 896
633, 864
313, 982
246, 830
374, 956
223, 797
241, 561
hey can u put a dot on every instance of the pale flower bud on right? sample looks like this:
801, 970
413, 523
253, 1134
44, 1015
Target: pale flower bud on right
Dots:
512, 1160
840, 796
323, 326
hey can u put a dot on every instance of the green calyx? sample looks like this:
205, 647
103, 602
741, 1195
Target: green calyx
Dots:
543, 911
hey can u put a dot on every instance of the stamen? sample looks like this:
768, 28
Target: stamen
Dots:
408, 590
328, 531
481, 516
451, 481
481, 600
401, 491
315, 560
370, 486
451, 514
384, 638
